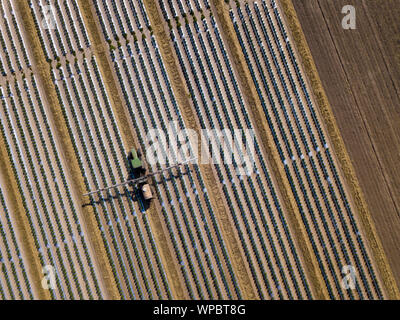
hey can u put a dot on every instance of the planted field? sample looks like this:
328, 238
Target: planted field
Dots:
38, 169
102, 159
81, 89
252, 201
183, 202
14, 280
58, 235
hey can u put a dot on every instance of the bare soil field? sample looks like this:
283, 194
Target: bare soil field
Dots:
359, 70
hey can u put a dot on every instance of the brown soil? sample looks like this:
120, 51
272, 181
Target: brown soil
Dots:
353, 70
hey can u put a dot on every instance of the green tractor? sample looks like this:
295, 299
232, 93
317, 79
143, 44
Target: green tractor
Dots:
140, 171
134, 158
140, 174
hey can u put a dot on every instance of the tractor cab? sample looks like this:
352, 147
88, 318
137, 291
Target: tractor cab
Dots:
134, 158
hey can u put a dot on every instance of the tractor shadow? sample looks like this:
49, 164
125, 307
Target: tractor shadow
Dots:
129, 194
167, 177
101, 199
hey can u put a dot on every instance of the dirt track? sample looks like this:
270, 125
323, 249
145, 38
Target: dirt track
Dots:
359, 70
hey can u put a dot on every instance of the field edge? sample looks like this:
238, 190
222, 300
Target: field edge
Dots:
340, 150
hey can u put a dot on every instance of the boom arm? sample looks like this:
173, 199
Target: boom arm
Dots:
137, 180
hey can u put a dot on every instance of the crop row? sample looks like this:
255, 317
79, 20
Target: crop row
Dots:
60, 27
184, 202
12, 44
49, 204
14, 281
